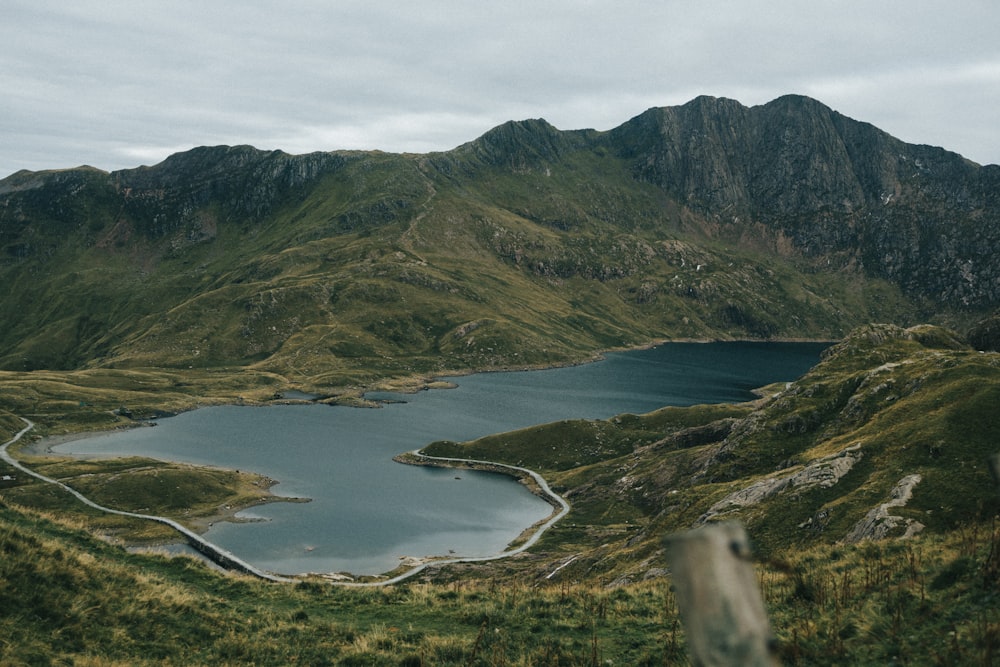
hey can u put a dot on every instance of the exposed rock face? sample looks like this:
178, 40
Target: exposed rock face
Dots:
790, 157
823, 473
523, 145
242, 180
879, 524
985, 335
920, 216
696, 436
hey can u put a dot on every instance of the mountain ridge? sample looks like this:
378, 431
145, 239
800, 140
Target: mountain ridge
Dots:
707, 220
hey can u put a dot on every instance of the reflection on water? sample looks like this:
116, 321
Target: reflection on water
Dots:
368, 512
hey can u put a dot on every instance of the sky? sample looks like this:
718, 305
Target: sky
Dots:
117, 84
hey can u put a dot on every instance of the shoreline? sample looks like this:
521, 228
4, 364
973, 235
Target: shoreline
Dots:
216, 553
405, 384
417, 383
411, 384
526, 477
526, 539
408, 567
43, 448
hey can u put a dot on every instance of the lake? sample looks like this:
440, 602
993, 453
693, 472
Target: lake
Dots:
367, 512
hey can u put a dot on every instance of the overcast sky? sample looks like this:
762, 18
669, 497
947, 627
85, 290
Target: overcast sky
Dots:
118, 84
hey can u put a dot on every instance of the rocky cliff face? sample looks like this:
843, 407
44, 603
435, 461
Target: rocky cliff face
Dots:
243, 181
791, 157
843, 191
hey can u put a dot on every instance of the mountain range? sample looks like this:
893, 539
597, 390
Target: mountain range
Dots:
527, 246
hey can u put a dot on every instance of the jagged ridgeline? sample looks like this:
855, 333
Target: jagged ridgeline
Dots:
529, 245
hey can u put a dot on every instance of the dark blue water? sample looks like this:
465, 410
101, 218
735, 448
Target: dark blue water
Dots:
367, 511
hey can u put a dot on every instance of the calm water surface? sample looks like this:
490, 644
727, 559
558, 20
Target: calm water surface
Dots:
367, 511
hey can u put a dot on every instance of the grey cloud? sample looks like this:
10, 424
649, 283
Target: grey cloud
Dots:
109, 82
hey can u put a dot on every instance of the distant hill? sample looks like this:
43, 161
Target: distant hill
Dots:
528, 245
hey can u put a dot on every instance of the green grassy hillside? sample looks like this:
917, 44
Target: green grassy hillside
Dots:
452, 279
818, 455
70, 599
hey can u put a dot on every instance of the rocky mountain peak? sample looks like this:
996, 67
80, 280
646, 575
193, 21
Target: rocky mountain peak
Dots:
524, 145
791, 155
245, 180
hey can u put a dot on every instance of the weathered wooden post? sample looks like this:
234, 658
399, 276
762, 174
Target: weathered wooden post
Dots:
995, 467
717, 594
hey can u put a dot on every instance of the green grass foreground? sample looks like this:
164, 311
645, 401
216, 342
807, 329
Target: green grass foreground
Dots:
66, 598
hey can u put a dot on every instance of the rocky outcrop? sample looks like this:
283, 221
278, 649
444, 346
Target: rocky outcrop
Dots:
792, 156
879, 524
696, 436
522, 146
240, 180
822, 473
985, 334
185, 194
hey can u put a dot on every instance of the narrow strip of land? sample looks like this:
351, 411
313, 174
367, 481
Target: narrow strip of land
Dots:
212, 551
546, 492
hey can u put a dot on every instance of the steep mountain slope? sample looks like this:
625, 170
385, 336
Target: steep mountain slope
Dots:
529, 245
920, 216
